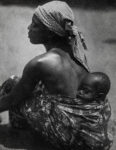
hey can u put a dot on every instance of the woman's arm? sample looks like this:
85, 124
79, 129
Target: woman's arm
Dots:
23, 88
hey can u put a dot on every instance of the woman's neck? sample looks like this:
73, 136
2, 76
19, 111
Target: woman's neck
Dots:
58, 43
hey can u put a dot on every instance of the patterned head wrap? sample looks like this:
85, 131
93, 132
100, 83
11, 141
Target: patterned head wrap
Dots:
58, 17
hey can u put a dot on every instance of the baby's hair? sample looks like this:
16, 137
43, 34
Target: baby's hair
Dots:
102, 81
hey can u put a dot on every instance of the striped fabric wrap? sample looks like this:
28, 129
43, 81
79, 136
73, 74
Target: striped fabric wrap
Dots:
65, 122
69, 123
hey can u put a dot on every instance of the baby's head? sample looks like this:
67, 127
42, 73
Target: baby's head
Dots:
95, 86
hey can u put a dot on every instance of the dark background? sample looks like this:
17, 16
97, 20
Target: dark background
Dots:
78, 3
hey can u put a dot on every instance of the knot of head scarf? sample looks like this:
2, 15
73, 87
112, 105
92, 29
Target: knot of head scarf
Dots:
58, 17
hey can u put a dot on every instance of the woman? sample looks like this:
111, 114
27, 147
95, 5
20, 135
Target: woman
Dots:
58, 73
63, 65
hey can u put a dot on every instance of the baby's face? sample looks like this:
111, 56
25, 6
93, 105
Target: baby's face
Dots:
87, 90
90, 89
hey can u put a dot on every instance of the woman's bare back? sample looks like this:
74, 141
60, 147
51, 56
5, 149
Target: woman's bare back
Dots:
59, 73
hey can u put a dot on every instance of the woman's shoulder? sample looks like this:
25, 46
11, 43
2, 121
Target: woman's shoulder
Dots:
50, 58
48, 62
54, 58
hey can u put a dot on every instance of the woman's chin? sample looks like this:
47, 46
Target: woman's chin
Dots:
34, 41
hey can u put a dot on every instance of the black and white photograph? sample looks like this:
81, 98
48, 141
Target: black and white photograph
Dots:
57, 75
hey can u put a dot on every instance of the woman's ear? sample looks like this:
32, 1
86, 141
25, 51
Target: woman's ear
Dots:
68, 28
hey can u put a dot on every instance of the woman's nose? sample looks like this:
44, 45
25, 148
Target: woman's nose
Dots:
29, 27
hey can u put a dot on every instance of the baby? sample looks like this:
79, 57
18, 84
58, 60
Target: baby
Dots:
94, 87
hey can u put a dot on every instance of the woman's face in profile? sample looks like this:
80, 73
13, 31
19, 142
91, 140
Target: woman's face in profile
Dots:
37, 31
